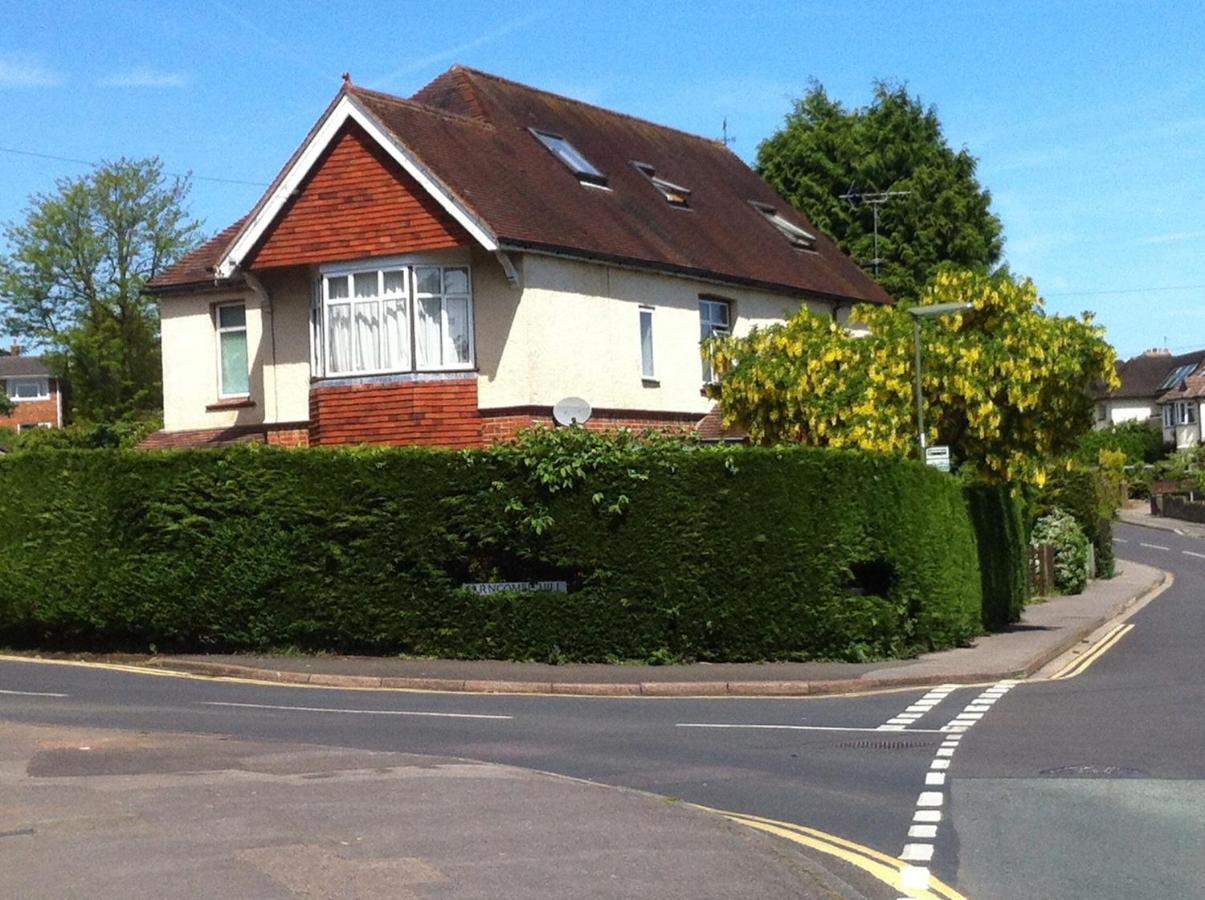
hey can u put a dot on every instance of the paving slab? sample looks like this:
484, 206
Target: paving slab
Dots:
98, 814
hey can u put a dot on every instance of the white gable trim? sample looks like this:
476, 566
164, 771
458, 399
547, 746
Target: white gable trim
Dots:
347, 108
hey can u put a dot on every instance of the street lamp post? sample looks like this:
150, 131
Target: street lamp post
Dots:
918, 313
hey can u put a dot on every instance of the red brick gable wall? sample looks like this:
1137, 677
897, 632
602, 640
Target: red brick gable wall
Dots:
33, 412
357, 202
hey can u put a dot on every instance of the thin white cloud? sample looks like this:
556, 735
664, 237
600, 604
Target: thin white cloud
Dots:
23, 70
144, 77
439, 56
1171, 237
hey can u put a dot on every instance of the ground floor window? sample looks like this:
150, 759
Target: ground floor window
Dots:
1181, 412
234, 372
397, 318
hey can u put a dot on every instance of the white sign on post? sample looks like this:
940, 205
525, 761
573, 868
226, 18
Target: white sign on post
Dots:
938, 457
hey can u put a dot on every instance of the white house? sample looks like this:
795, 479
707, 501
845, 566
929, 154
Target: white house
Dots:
444, 269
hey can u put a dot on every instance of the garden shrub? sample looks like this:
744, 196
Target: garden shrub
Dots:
1086, 497
1141, 443
669, 552
1061, 531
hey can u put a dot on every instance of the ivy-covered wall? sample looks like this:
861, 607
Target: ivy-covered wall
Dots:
712, 554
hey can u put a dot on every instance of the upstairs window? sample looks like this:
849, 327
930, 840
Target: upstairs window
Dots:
796, 236
571, 157
647, 371
715, 317
1177, 377
29, 389
674, 194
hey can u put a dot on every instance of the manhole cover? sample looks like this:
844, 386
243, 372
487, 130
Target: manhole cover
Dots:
886, 745
1095, 772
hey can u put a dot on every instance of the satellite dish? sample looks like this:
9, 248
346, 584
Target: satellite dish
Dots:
571, 411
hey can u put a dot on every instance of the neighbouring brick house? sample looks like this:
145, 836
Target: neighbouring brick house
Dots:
444, 269
35, 393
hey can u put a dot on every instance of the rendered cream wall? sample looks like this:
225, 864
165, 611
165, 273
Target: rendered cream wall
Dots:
190, 362
1130, 411
287, 333
577, 333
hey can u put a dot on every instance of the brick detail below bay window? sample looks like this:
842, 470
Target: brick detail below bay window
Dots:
438, 413
356, 203
33, 412
502, 425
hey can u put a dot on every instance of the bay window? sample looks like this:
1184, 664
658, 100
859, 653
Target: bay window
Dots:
398, 318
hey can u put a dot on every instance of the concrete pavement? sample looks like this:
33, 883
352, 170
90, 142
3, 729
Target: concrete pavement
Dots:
1047, 630
98, 813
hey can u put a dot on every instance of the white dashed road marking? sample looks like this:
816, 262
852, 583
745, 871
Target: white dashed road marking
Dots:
902, 721
926, 819
33, 694
1193, 553
1120, 541
1153, 546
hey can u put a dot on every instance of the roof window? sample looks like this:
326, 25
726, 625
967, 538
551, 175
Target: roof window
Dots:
675, 194
798, 238
571, 157
1175, 378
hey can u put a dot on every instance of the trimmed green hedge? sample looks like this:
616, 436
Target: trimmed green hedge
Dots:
1080, 493
996, 513
709, 554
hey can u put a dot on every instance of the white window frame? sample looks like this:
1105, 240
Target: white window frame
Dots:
714, 328
220, 330
1186, 412
1169, 416
648, 367
43, 384
320, 329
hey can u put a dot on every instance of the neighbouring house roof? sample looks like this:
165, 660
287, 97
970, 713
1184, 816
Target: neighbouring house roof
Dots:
470, 134
1143, 377
22, 367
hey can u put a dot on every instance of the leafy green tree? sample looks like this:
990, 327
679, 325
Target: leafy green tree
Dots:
896, 143
72, 281
1006, 386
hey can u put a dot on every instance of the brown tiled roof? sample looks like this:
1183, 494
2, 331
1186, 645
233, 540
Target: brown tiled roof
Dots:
18, 366
197, 266
470, 130
205, 437
1142, 376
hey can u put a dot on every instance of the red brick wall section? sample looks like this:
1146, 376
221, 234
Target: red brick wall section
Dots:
504, 426
356, 202
290, 437
433, 413
31, 412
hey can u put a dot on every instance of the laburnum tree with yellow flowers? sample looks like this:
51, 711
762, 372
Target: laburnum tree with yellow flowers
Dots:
1007, 387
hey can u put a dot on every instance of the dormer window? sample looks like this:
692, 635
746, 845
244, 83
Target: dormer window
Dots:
571, 157
675, 194
798, 238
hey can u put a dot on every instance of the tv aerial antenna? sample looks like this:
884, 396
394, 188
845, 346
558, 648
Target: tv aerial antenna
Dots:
727, 139
876, 200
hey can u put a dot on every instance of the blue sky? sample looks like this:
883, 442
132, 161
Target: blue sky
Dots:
1088, 118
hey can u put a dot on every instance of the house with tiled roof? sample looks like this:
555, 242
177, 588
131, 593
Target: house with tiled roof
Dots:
446, 269
37, 400
1160, 389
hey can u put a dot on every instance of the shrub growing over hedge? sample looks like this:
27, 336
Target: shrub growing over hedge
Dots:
1003, 552
708, 554
1082, 494
1061, 531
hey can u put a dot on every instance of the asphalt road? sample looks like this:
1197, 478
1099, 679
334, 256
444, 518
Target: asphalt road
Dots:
1019, 815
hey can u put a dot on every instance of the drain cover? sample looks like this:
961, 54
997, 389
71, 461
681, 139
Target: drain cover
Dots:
886, 745
1095, 772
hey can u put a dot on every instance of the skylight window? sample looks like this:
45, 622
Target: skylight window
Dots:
571, 157
674, 194
1173, 380
798, 238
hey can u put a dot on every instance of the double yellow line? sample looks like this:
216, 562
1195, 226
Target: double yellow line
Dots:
1099, 649
886, 869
